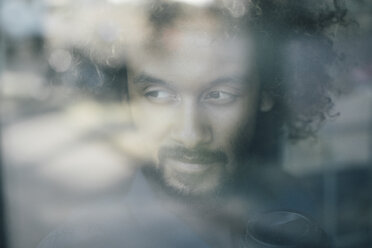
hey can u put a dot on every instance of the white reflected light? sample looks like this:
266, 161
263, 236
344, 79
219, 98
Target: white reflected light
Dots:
60, 60
124, 1
195, 2
20, 18
192, 2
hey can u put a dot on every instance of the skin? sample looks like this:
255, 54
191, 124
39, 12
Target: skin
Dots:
191, 101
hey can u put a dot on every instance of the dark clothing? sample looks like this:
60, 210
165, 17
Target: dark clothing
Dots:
144, 221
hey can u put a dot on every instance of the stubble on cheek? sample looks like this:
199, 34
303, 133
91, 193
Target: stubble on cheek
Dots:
241, 143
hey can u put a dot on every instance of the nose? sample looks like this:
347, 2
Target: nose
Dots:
191, 128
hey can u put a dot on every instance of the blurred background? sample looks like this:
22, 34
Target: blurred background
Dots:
64, 128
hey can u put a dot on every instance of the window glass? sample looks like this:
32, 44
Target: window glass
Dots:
185, 123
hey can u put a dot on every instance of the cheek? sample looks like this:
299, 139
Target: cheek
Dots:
153, 121
150, 119
153, 124
231, 122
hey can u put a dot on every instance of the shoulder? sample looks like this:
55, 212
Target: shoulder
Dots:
94, 230
277, 190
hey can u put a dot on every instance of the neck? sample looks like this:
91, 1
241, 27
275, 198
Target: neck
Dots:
214, 217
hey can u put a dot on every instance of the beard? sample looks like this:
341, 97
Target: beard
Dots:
230, 185
205, 203
190, 188
228, 170
217, 167
191, 173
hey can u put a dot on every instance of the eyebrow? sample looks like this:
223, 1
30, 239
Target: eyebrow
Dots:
229, 79
143, 78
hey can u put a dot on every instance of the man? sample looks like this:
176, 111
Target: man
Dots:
211, 91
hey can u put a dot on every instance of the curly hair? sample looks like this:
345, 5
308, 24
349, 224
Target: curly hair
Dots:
293, 57
298, 54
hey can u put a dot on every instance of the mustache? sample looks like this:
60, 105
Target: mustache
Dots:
193, 156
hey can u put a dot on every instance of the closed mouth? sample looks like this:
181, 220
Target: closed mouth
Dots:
190, 167
195, 159
194, 156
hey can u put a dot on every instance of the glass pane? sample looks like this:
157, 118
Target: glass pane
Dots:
186, 123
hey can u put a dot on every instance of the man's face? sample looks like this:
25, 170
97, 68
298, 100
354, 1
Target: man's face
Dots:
191, 102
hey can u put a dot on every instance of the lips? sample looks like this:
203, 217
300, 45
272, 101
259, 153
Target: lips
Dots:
196, 158
191, 161
190, 168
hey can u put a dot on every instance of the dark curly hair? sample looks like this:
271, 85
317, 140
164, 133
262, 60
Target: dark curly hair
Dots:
293, 55
297, 54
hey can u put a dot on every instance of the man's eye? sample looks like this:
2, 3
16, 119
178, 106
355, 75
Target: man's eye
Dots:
219, 97
160, 96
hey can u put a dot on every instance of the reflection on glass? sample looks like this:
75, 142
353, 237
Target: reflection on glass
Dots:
180, 123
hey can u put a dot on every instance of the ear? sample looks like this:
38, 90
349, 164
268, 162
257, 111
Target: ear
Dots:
267, 102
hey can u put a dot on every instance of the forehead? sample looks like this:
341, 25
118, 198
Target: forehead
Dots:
196, 46
197, 56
